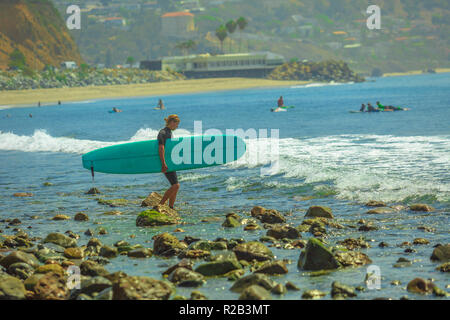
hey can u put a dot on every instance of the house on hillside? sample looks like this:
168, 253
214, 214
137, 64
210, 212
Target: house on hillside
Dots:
68, 65
115, 22
177, 24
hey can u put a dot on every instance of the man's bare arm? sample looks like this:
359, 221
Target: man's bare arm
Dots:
162, 158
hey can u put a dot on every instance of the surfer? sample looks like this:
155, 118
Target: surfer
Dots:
161, 104
363, 106
280, 102
172, 123
116, 110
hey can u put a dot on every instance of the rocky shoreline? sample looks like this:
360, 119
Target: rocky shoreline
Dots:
39, 268
19, 80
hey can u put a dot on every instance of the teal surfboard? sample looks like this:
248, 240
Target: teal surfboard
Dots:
180, 154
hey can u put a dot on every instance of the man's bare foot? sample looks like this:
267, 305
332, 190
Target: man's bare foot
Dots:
157, 208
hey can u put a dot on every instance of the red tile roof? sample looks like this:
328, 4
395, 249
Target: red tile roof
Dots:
177, 14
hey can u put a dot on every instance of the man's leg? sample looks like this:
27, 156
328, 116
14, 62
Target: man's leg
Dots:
167, 195
173, 195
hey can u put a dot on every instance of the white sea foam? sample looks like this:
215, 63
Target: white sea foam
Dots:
320, 84
358, 167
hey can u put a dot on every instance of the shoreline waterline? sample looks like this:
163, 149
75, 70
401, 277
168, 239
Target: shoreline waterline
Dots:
30, 98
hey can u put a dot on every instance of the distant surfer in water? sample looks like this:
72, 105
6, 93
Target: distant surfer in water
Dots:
280, 102
172, 123
363, 106
161, 104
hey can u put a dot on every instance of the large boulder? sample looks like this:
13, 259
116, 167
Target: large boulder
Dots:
184, 277
153, 199
441, 253
352, 258
19, 256
61, 240
421, 207
419, 285
283, 231
141, 288
319, 211
252, 251
267, 215
317, 257
151, 218
273, 268
52, 286
11, 288
253, 279
93, 269
339, 290
218, 268
167, 245
255, 292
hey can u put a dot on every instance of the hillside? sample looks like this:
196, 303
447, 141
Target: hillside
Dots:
414, 34
36, 29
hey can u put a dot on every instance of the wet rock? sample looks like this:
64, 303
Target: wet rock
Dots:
59, 217
267, 215
92, 268
194, 254
154, 199
219, 245
283, 231
184, 263
52, 286
419, 285
141, 288
23, 194
421, 207
255, 292
15, 222
421, 241
93, 191
32, 280
197, 295
108, 252
232, 220
352, 258
445, 267
313, 294
352, 244
291, 286
218, 268
72, 235
113, 202
205, 245
374, 203
20, 270
55, 268
252, 251
382, 210
441, 253
106, 294
253, 279
102, 231
383, 244
183, 277
80, 216
95, 284
73, 253
426, 229
61, 240
19, 256
251, 226
368, 227
273, 268
11, 288
319, 211
167, 245
317, 257
140, 253
339, 290
402, 263
151, 218
89, 232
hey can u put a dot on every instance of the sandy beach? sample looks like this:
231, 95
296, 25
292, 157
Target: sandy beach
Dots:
414, 72
27, 98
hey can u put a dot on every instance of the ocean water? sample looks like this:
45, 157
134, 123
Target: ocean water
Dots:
326, 156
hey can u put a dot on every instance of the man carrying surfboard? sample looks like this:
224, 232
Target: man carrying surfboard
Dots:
172, 123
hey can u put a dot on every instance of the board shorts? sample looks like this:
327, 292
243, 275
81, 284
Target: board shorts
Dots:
172, 177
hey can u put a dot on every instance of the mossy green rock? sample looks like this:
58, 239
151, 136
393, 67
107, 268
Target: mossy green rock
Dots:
218, 268
253, 251
231, 222
61, 240
317, 257
319, 211
151, 218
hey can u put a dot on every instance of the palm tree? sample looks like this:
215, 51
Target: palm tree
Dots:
231, 27
221, 33
186, 46
242, 23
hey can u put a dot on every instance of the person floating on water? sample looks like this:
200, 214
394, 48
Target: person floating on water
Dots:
363, 107
116, 110
389, 108
370, 108
172, 123
280, 102
161, 104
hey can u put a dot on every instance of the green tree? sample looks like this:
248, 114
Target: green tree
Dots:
130, 61
17, 59
241, 23
231, 27
221, 34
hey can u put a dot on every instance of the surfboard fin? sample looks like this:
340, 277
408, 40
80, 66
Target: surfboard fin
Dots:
92, 171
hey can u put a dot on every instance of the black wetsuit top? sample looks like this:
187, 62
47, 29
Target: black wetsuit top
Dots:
163, 135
